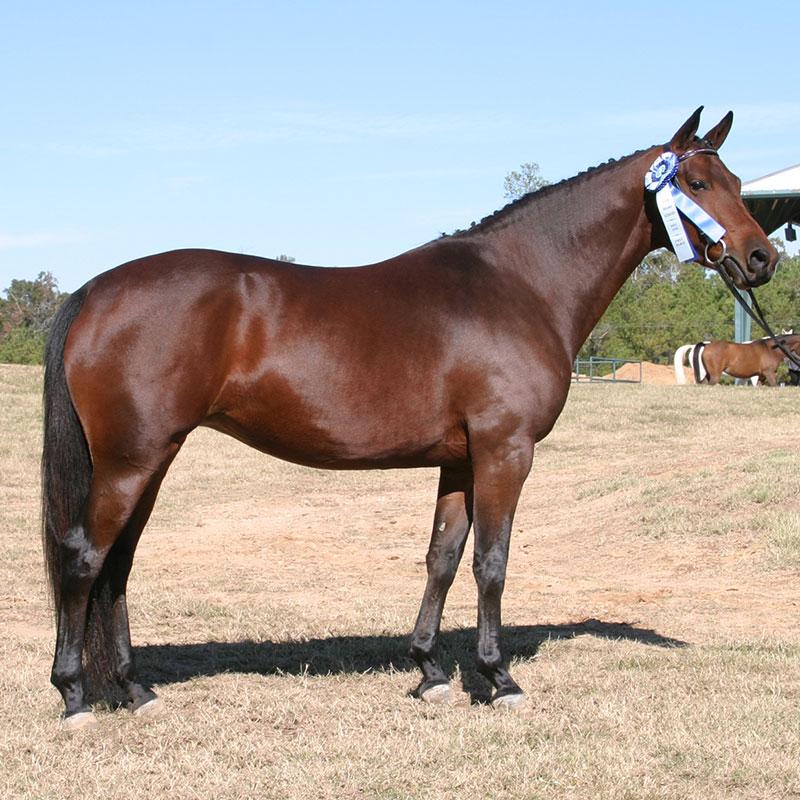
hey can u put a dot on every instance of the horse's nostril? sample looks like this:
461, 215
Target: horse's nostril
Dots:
759, 260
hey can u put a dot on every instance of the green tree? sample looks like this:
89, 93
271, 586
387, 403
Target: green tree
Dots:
780, 298
660, 265
26, 314
663, 305
703, 307
527, 178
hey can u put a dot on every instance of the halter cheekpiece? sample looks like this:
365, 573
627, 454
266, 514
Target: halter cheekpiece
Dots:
672, 202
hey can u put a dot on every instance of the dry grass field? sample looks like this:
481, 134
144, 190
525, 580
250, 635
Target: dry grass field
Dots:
652, 611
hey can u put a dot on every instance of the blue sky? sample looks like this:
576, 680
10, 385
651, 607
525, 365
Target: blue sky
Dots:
346, 132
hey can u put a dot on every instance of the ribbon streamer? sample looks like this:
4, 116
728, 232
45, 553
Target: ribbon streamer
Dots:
668, 209
705, 223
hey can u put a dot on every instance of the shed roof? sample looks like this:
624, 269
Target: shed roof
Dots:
774, 199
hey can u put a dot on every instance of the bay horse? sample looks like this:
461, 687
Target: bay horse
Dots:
758, 359
456, 354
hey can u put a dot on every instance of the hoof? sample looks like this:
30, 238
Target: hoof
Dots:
79, 721
509, 702
150, 709
438, 695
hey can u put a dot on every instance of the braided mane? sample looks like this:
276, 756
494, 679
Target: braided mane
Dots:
535, 196
545, 191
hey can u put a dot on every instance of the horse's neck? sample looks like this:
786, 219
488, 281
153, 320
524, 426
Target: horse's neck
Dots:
576, 244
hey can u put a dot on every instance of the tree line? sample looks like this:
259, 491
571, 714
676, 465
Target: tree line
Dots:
26, 313
665, 304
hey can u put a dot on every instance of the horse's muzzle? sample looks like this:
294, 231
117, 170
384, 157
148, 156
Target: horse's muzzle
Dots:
758, 269
761, 265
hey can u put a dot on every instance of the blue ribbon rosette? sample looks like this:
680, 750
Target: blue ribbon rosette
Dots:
663, 170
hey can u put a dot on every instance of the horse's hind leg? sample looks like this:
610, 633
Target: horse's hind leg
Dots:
143, 700
451, 525
114, 494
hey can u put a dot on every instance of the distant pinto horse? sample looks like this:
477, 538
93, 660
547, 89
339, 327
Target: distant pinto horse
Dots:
759, 359
685, 357
454, 355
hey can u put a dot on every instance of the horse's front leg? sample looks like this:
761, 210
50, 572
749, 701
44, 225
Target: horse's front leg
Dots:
499, 475
451, 525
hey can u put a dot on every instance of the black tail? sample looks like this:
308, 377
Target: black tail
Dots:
66, 476
66, 464
697, 365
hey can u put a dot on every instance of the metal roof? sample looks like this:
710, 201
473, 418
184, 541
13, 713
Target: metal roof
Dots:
774, 199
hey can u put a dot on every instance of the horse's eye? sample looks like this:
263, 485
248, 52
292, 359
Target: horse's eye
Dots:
698, 185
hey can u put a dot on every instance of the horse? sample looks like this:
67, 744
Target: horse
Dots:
455, 354
691, 355
759, 359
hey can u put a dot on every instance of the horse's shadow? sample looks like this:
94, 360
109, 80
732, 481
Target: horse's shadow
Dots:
175, 663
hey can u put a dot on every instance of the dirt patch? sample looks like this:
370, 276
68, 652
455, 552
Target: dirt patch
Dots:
653, 374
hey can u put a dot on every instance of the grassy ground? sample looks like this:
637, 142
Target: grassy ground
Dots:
651, 609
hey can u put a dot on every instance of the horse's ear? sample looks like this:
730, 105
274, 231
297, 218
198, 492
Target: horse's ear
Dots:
685, 134
717, 135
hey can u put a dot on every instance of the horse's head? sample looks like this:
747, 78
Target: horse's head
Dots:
792, 342
744, 252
